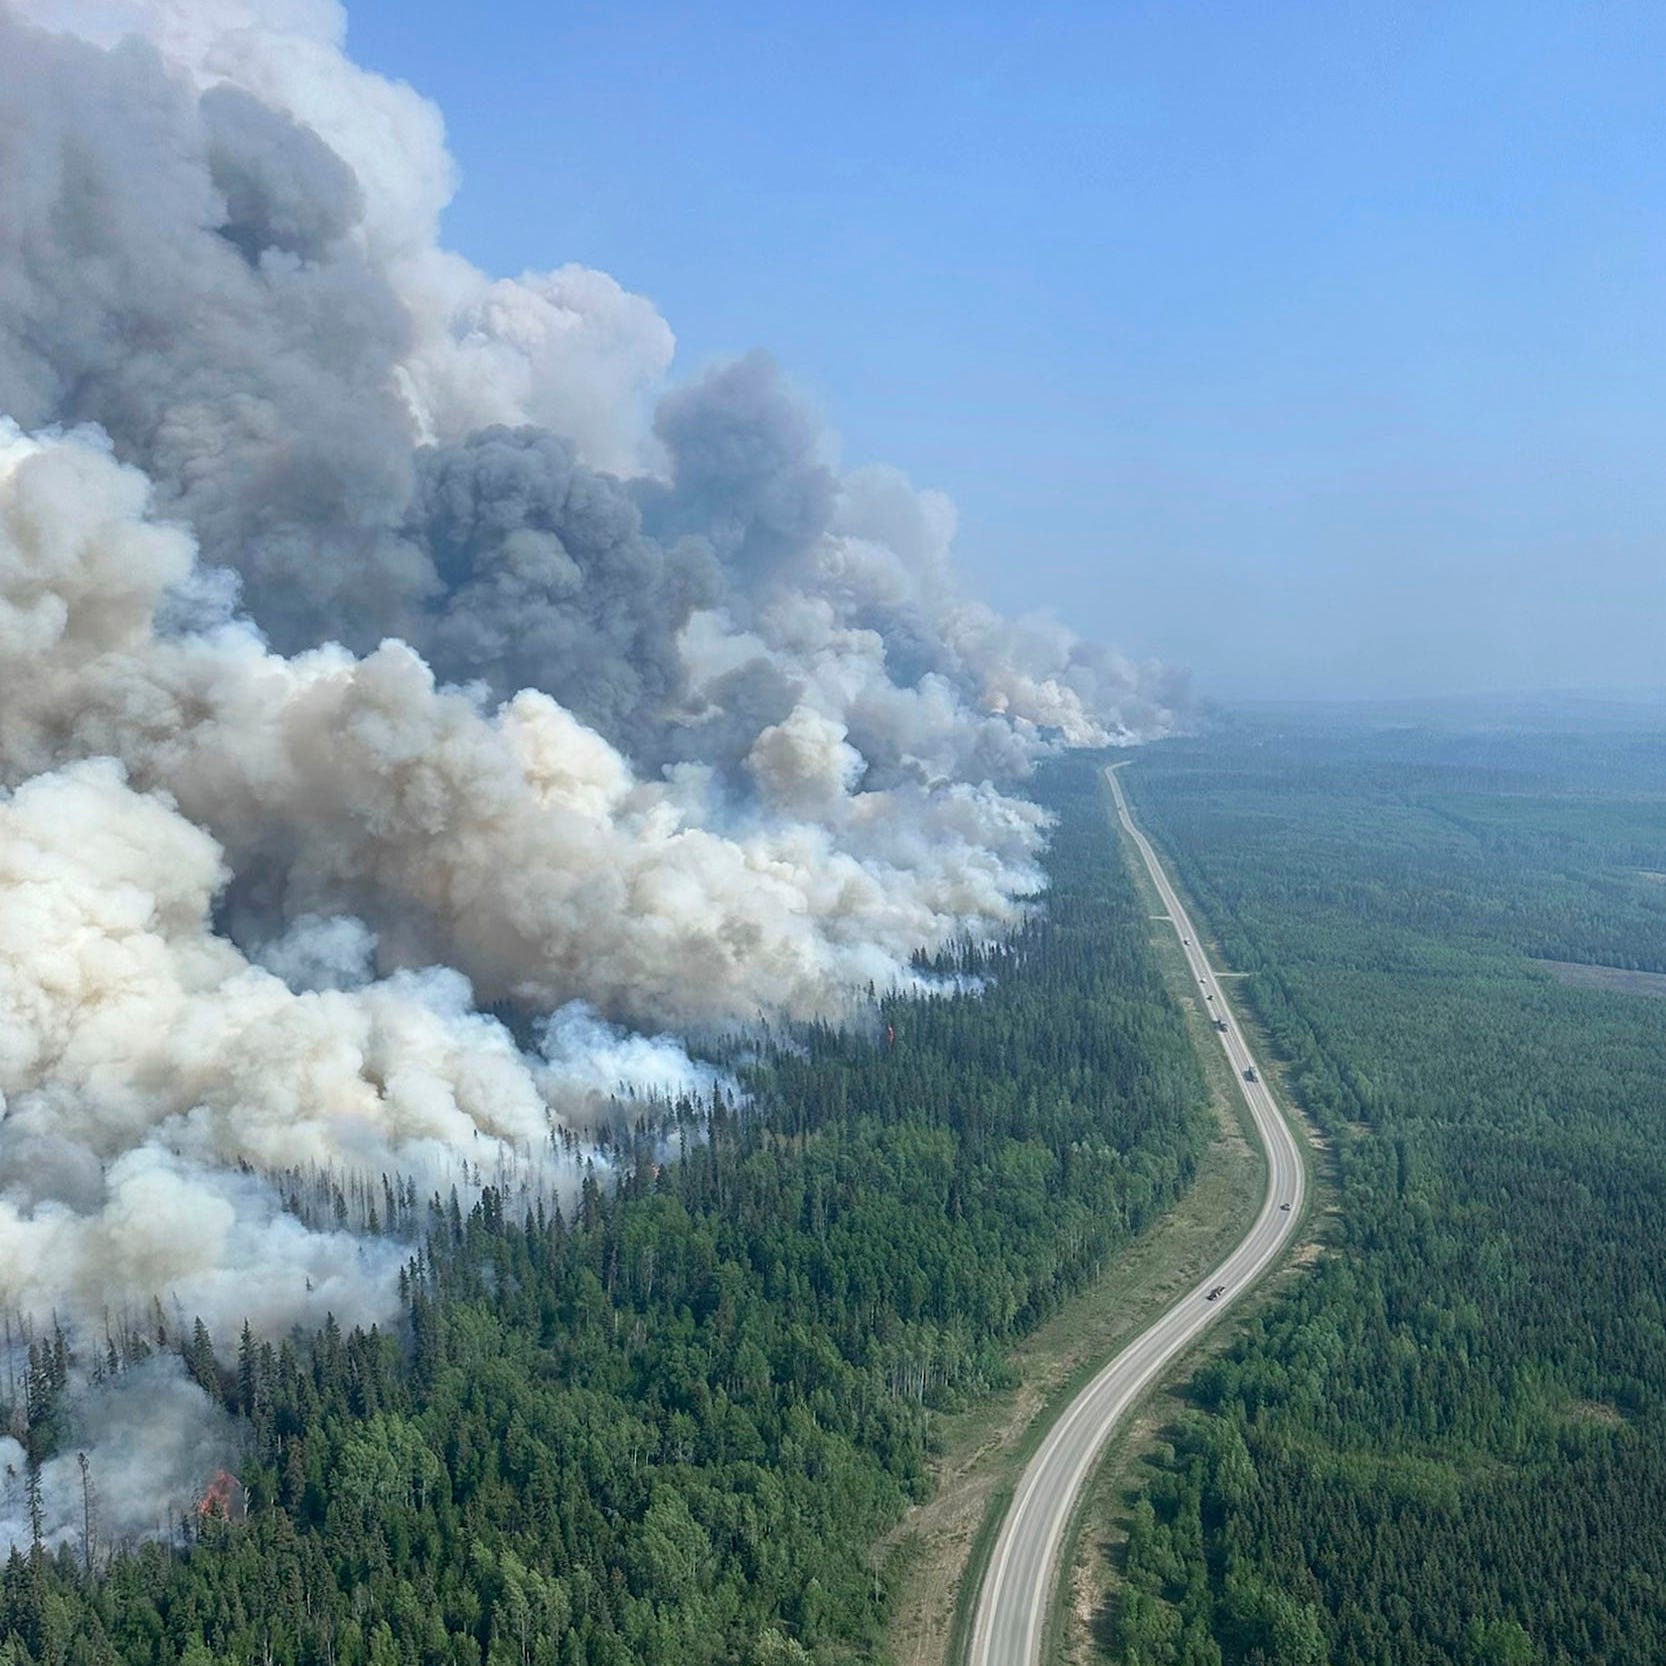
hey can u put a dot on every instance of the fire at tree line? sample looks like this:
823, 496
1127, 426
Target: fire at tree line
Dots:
670, 1422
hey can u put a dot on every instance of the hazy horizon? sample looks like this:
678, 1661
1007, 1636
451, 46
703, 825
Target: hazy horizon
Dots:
1318, 352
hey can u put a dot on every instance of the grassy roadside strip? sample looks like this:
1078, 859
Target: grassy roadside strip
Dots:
1137, 1287
977, 1563
1082, 1603
985, 1448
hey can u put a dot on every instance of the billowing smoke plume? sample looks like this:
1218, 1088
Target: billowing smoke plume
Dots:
515, 844
378, 638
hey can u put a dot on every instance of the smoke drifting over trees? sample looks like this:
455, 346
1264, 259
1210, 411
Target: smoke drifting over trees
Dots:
373, 645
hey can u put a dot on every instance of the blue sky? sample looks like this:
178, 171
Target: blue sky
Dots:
1319, 346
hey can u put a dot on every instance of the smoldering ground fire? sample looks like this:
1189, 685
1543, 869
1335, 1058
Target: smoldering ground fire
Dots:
373, 644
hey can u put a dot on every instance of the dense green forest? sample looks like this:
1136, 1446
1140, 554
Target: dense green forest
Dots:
1447, 1441
668, 1424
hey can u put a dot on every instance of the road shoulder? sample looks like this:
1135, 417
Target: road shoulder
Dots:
986, 1447
1084, 1604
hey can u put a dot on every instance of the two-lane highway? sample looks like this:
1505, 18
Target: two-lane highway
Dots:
1023, 1567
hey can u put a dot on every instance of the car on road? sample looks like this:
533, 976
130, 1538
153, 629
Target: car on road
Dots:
1250, 1075
1216, 1293
1285, 1207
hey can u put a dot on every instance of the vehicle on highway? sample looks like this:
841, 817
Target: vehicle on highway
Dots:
1285, 1207
1220, 1023
1250, 1075
1009, 1622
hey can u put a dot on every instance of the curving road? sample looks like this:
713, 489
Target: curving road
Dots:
1023, 1567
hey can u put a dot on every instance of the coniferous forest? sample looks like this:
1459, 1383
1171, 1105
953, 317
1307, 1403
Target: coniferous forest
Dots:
1446, 1440
668, 1422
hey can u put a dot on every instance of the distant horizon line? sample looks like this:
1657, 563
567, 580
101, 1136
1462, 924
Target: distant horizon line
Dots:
1621, 696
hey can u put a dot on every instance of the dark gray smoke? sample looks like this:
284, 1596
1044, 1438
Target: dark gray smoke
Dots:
548, 581
744, 471
177, 266
189, 264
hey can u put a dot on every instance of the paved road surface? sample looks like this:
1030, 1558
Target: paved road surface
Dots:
1023, 1567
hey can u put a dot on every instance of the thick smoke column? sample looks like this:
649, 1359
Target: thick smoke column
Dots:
379, 638
516, 844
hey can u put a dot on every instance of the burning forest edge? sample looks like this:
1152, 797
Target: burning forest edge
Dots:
425, 720
720, 1367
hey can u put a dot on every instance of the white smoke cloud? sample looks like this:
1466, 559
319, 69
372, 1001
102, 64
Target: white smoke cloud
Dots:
315, 953
570, 351
591, 1059
146, 1068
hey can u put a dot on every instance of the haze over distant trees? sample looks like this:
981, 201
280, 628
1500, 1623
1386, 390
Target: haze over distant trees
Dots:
1447, 1440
